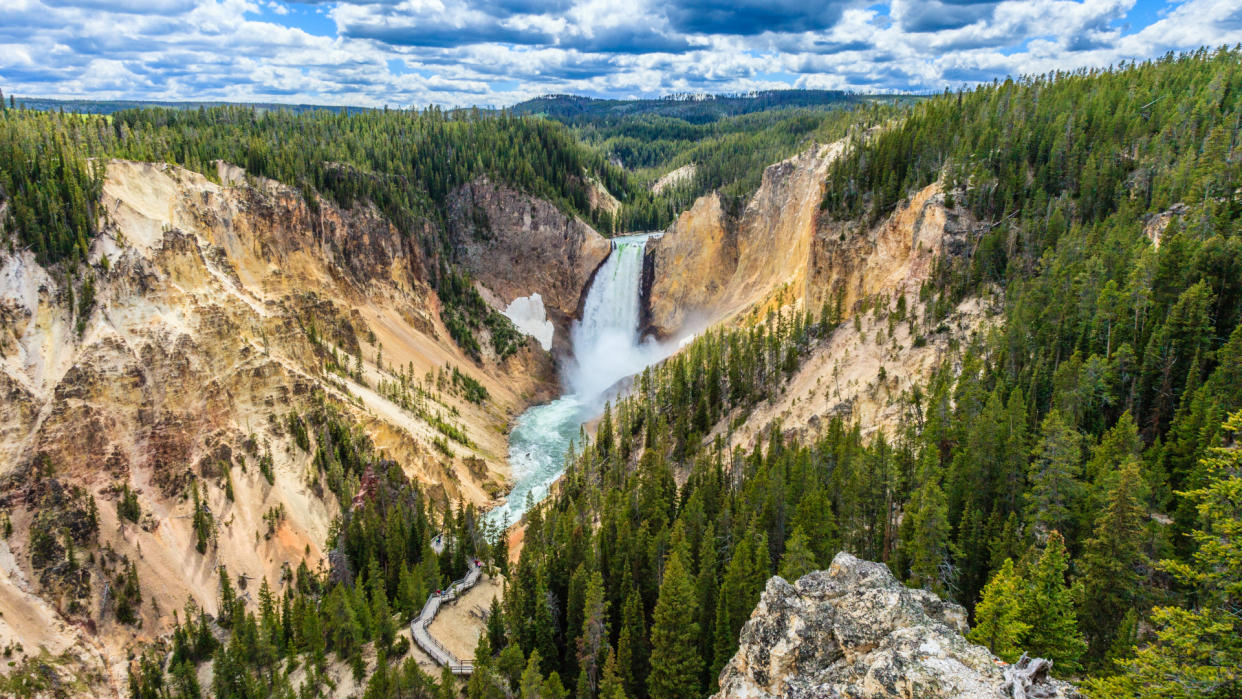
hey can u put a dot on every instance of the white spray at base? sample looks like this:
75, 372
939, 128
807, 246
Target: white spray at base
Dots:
606, 349
606, 343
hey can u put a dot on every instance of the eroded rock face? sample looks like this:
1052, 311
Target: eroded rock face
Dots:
783, 254
218, 311
687, 269
849, 262
709, 265
854, 631
516, 245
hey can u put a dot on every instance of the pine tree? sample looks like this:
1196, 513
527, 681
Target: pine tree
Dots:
574, 606
345, 634
724, 642
553, 688
999, 614
1197, 652
266, 645
610, 684
738, 586
380, 684
603, 434
1013, 459
447, 687
592, 642
675, 660
496, 626
1049, 609
583, 689
408, 602
1173, 354
798, 559
814, 515
970, 555
1006, 540
1119, 445
510, 664
531, 686
545, 628
708, 587
312, 636
633, 653
381, 613
185, 679
202, 521
362, 608
1113, 561
227, 598
1052, 500
929, 528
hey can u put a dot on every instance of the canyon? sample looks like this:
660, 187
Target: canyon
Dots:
227, 304
222, 307
784, 393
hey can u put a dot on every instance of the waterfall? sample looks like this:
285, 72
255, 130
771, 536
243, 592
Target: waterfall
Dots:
606, 348
605, 342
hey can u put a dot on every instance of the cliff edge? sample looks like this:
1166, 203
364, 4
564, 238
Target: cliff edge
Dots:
517, 246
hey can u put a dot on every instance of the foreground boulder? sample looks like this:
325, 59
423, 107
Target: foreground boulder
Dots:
854, 631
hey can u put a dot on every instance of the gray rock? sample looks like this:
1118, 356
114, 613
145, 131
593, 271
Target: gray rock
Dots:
853, 631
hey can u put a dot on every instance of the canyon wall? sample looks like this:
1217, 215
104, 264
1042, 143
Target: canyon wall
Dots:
781, 253
214, 311
709, 266
516, 245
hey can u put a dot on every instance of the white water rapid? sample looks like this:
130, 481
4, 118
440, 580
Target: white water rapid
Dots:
606, 349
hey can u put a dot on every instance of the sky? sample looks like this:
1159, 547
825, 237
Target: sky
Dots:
499, 52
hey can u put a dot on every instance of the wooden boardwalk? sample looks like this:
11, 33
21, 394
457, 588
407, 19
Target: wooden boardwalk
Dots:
424, 639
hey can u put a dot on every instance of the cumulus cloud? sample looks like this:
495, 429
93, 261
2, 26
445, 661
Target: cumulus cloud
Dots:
455, 52
435, 24
937, 15
748, 17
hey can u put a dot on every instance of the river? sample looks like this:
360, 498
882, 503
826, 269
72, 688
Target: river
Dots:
606, 348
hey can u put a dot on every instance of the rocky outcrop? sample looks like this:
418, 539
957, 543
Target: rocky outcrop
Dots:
709, 266
854, 631
600, 199
685, 173
516, 245
848, 262
216, 304
1154, 225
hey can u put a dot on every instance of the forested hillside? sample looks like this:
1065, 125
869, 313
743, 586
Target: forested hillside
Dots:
404, 162
1072, 478
693, 109
727, 155
724, 141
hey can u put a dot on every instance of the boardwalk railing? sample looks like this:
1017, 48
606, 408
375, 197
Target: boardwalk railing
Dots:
424, 639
